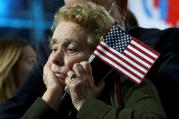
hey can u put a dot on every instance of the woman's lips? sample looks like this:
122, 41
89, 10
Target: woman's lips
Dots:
58, 72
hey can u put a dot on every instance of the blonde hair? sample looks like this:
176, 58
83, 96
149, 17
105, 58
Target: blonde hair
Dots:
90, 16
10, 50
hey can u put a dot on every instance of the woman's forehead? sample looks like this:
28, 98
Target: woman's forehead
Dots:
69, 30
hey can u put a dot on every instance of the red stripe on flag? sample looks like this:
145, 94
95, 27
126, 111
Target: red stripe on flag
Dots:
146, 46
120, 58
144, 53
119, 65
135, 54
134, 60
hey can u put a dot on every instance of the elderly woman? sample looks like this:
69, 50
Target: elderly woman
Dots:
76, 32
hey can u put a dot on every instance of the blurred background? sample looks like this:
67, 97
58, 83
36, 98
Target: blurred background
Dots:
32, 19
156, 13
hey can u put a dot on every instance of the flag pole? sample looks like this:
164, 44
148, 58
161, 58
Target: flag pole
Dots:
91, 58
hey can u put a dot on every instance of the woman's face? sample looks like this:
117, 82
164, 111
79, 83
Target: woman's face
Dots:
69, 46
24, 64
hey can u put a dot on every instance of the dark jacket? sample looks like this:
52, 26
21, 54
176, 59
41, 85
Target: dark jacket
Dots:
164, 74
137, 101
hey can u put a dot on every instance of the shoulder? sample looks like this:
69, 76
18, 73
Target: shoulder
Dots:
142, 99
129, 89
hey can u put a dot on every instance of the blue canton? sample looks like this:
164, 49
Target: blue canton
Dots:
117, 39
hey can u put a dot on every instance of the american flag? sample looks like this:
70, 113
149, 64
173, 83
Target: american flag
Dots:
126, 54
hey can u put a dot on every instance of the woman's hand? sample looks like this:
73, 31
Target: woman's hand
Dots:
54, 86
81, 86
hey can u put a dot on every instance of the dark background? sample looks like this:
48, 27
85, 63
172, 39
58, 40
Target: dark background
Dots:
30, 19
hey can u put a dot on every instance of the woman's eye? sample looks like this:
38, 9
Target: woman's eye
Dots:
31, 61
71, 50
54, 49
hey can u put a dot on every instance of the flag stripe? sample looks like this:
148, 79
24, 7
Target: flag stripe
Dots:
121, 64
140, 54
126, 54
147, 51
139, 76
123, 58
117, 67
152, 59
118, 61
147, 47
138, 57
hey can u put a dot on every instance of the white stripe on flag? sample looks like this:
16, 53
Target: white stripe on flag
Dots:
117, 67
141, 54
121, 62
138, 59
126, 58
144, 49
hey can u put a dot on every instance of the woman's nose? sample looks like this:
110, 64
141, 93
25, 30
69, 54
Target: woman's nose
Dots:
58, 58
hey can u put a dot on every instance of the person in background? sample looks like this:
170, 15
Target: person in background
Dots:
164, 73
131, 20
17, 58
72, 43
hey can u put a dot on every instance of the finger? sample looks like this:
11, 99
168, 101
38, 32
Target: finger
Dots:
46, 71
46, 67
68, 79
78, 69
61, 82
87, 67
88, 70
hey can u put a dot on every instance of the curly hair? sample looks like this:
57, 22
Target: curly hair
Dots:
88, 15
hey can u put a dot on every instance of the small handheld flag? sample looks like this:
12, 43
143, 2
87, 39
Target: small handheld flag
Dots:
126, 54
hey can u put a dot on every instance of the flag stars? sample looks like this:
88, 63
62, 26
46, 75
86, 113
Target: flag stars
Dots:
117, 38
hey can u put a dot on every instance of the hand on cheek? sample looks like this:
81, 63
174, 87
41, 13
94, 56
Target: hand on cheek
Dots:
54, 86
